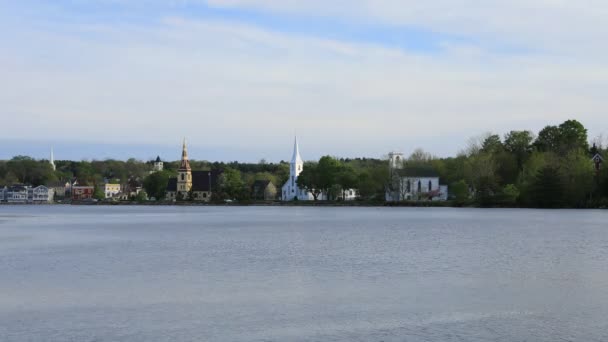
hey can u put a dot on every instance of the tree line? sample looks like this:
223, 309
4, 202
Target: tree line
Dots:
550, 169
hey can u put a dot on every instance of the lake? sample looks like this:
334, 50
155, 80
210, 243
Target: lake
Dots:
97, 273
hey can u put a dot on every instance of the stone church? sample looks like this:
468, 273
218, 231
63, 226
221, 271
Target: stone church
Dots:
191, 185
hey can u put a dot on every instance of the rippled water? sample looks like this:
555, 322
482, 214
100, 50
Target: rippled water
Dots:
302, 274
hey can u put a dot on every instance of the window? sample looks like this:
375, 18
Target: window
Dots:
293, 182
409, 185
182, 176
430, 186
419, 186
205, 195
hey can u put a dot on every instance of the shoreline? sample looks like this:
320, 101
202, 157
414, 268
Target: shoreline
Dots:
446, 204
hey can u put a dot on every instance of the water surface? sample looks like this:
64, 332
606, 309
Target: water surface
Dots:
302, 274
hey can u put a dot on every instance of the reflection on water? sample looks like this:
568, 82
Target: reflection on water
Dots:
302, 274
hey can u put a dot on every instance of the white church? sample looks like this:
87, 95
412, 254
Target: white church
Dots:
290, 190
413, 183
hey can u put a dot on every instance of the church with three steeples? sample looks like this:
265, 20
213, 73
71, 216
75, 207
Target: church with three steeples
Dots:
191, 185
290, 190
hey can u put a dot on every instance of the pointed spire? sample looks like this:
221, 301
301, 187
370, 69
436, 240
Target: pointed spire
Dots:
296, 152
52, 160
185, 164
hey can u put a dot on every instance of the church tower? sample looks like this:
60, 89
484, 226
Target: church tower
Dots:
158, 165
184, 173
296, 161
52, 160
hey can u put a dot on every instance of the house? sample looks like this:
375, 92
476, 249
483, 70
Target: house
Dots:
17, 193
110, 190
192, 185
348, 195
40, 194
413, 182
59, 189
80, 193
263, 190
131, 189
2, 193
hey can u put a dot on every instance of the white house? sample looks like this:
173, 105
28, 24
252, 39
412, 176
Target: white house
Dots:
110, 190
40, 194
290, 190
413, 182
17, 194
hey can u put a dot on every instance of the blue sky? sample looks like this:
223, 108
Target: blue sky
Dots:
238, 78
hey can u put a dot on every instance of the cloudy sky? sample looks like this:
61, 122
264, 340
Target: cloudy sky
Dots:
238, 78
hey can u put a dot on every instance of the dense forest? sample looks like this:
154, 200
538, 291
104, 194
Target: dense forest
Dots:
552, 169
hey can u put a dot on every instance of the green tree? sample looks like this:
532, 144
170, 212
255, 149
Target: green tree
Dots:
510, 194
519, 144
309, 180
492, 144
98, 194
346, 179
549, 139
327, 170
548, 191
231, 183
573, 135
156, 183
459, 191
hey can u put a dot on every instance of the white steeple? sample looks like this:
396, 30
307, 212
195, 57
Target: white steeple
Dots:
52, 160
296, 159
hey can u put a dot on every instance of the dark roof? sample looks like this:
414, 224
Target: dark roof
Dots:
418, 171
158, 159
200, 180
172, 185
17, 187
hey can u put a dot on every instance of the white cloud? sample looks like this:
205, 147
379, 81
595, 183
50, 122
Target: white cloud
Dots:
226, 83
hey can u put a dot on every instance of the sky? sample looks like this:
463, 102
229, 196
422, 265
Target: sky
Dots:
103, 79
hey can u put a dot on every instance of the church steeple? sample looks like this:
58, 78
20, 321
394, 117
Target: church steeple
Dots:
185, 164
296, 159
184, 174
52, 160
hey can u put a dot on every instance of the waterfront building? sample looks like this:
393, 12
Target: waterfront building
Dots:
80, 193
40, 194
131, 189
2, 193
191, 185
263, 190
17, 193
110, 190
59, 189
413, 183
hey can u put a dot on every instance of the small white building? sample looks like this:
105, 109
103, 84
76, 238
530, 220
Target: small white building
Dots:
41, 194
110, 190
413, 183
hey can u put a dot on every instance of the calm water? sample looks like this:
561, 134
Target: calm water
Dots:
302, 274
